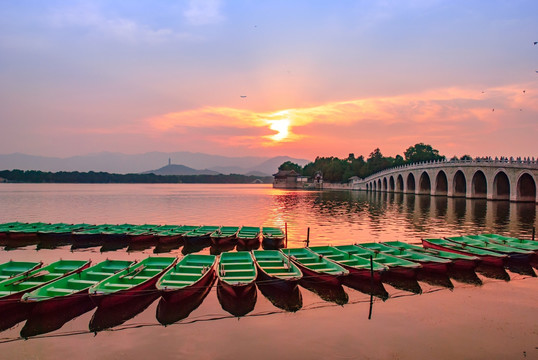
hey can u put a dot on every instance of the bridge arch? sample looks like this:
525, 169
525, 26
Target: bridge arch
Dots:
399, 183
379, 188
459, 184
424, 184
479, 185
501, 186
391, 183
526, 188
384, 184
411, 183
441, 183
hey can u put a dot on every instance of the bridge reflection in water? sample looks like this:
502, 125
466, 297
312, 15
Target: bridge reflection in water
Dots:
341, 217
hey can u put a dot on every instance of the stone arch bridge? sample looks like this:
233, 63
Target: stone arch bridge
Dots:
512, 180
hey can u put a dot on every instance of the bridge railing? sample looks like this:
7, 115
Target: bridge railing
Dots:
525, 162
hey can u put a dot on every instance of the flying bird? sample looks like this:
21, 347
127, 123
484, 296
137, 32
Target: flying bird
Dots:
536, 42
242, 96
523, 91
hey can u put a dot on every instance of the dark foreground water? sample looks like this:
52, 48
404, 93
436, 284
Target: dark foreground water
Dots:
488, 315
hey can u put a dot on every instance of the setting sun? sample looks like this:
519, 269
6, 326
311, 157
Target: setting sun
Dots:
282, 128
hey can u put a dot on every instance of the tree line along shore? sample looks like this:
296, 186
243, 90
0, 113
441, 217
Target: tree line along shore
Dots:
337, 170
35, 176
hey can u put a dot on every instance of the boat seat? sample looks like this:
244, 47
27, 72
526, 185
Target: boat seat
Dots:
33, 283
111, 269
122, 286
187, 274
175, 282
142, 277
81, 281
153, 270
291, 273
191, 267
234, 263
56, 274
60, 290
99, 273
273, 267
236, 270
235, 278
64, 268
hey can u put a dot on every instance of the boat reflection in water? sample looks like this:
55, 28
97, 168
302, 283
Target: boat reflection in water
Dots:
466, 276
41, 322
493, 272
239, 301
374, 288
521, 268
162, 248
14, 315
106, 317
290, 300
217, 249
114, 245
139, 246
193, 246
402, 283
248, 246
435, 279
326, 291
179, 308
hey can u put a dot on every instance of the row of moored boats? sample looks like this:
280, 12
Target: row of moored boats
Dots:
113, 281
219, 235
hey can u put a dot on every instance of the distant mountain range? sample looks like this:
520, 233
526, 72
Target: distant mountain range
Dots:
174, 162
181, 170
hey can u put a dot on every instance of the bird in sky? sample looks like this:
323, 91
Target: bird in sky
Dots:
242, 96
536, 42
523, 91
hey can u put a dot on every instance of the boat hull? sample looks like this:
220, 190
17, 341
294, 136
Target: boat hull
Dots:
363, 274
125, 295
485, 259
278, 284
238, 300
222, 241
310, 275
141, 238
270, 242
177, 295
430, 266
57, 303
462, 264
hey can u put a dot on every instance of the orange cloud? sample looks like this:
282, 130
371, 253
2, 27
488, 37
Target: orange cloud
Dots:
439, 111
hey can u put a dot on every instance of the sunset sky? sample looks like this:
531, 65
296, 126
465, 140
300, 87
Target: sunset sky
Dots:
267, 78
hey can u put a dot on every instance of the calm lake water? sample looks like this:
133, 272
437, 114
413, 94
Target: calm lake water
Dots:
489, 316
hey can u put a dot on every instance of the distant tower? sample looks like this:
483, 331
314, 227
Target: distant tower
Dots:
169, 161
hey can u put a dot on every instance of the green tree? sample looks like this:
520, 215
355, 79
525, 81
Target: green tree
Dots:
421, 152
288, 165
466, 157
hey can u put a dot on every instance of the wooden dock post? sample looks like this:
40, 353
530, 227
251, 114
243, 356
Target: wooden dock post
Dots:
286, 230
533, 232
371, 286
308, 237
